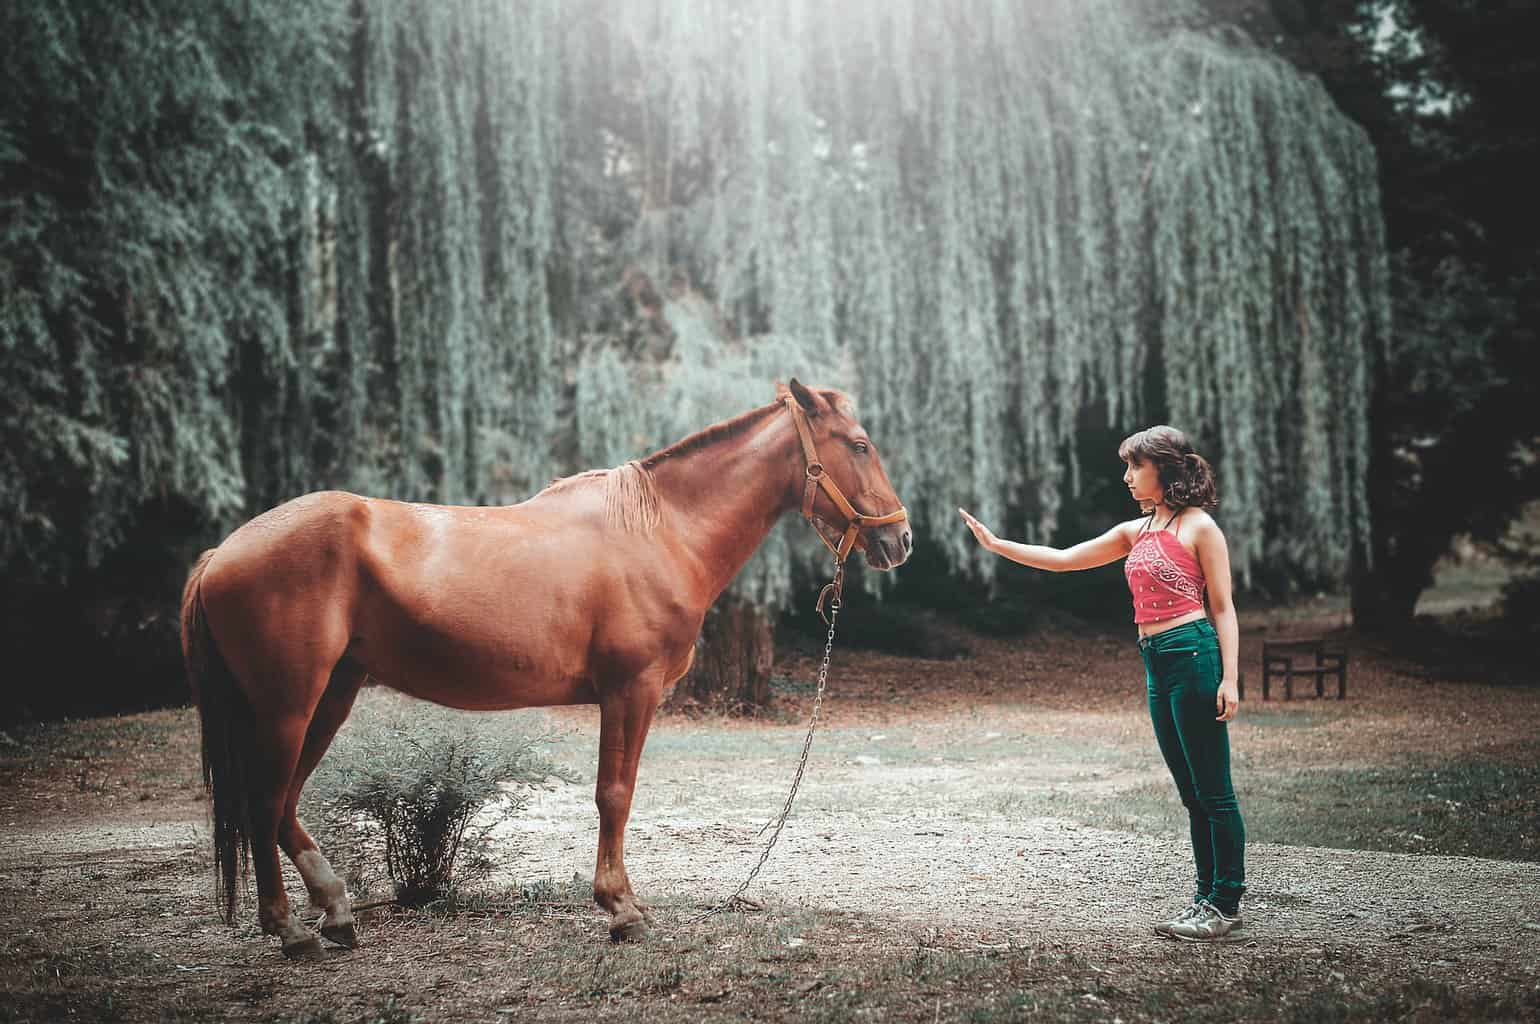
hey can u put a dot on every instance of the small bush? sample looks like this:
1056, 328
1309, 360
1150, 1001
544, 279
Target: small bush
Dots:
425, 786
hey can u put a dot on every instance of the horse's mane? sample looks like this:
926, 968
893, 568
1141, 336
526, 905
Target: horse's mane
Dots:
711, 435
630, 499
630, 495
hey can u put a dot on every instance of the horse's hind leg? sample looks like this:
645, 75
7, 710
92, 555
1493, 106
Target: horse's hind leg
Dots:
275, 756
283, 693
327, 891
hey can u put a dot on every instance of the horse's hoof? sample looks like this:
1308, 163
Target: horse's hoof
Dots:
342, 934
308, 948
634, 930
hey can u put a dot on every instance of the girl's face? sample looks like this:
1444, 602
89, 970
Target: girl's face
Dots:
1143, 482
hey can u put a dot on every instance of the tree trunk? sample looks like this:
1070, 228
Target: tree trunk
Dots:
732, 661
1384, 601
1373, 595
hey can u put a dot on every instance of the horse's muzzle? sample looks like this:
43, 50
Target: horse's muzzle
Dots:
888, 547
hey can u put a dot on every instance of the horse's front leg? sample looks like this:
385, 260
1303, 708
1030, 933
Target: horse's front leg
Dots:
624, 718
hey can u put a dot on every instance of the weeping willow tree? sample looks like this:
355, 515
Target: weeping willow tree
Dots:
449, 208
1003, 215
381, 244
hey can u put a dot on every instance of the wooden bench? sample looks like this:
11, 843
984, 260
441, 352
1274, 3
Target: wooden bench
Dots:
1278, 661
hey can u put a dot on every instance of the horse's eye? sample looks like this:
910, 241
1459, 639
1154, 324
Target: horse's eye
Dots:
860, 446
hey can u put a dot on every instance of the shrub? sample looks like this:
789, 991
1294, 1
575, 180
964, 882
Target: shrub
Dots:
425, 787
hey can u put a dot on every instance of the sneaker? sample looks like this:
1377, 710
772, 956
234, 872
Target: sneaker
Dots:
1188, 913
1208, 925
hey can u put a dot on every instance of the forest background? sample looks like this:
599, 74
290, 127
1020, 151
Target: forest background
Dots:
445, 252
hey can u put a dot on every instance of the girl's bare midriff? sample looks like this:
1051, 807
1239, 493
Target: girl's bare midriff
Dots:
1151, 628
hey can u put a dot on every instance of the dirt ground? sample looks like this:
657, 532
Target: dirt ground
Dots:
941, 863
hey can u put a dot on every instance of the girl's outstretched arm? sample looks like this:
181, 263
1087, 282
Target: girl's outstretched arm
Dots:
1109, 547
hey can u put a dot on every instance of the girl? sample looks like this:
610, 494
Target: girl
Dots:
1176, 552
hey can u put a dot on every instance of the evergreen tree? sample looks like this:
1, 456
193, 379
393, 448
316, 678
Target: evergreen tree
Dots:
149, 156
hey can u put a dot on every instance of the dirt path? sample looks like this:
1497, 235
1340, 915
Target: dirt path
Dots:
928, 844
884, 826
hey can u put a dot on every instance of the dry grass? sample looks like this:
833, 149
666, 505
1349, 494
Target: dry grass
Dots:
514, 957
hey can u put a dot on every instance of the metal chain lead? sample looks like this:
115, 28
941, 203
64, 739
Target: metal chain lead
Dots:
807, 745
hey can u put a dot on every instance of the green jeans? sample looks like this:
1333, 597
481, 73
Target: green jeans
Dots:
1182, 671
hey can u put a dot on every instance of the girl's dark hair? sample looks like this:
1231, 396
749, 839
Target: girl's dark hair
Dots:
1185, 475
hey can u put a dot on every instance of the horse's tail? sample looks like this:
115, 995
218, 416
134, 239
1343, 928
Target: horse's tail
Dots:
222, 707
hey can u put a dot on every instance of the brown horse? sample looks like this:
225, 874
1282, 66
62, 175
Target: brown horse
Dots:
591, 592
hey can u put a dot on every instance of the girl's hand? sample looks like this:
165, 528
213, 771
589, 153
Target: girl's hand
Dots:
981, 532
1228, 700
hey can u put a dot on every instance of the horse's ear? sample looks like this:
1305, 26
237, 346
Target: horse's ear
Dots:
805, 398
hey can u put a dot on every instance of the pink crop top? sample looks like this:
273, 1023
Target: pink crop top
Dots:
1163, 577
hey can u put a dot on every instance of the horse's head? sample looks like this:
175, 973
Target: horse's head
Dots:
860, 508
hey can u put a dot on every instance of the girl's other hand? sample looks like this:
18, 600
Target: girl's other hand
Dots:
981, 533
1228, 701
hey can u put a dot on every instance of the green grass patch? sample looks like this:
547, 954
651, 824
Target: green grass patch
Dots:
89, 738
1463, 808
1466, 808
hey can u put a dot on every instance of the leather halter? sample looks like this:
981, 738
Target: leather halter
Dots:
816, 478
